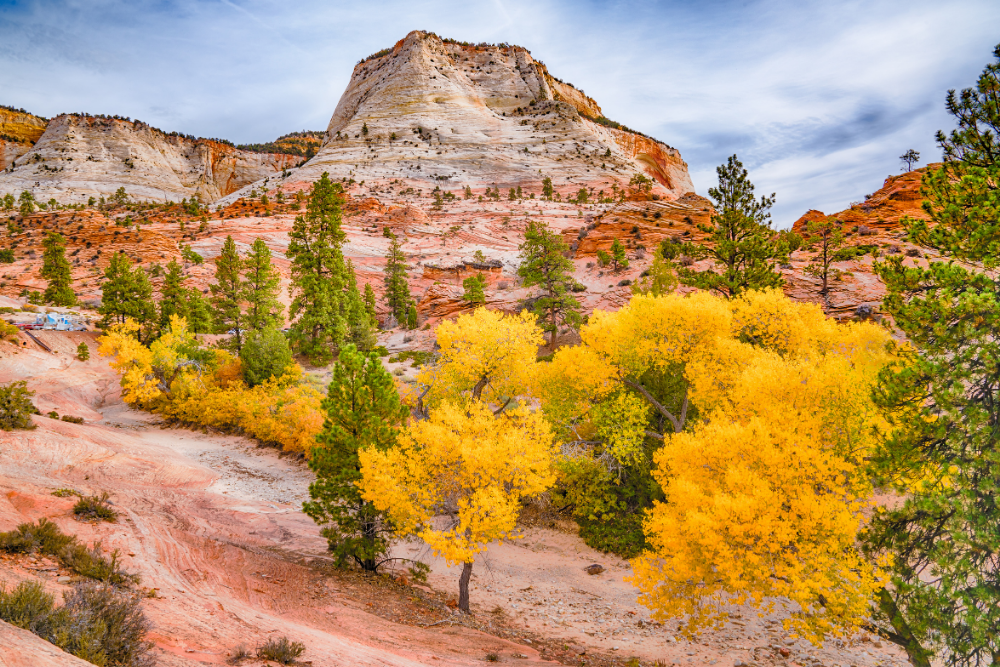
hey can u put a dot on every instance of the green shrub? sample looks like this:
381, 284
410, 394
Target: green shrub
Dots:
264, 355
16, 407
95, 507
71, 419
281, 650
82, 351
92, 564
66, 493
28, 606
8, 331
28, 538
46, 538
6, 256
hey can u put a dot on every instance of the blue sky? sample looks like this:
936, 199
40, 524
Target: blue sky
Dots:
817, 98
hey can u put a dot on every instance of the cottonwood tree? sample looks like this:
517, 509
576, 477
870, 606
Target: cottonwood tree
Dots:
741, 243
944, 401
57, 271
544, 265
362, 411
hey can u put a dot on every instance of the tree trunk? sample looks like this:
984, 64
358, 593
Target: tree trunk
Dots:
903, 636
463, 588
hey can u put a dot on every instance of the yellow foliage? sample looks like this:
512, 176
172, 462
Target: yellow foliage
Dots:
161, 378
486, 353
466, 463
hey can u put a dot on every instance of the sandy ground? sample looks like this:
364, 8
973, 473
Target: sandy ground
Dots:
213, 523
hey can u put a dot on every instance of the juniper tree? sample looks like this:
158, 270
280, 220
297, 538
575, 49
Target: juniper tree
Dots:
397, 288
57, 271
363, 411
318, 273
261, 283
741, 243
544, 265
943, 400
227, 293
127, 294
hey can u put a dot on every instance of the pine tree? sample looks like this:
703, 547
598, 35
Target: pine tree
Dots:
360, 325
397, 289
26, 203
475, 289
741, 242
227, 294
619, 260
126, 293
173, 295
370, 302
260, 288
411, 317
826, 237
547, 188
82, 351
57, 271
363, 411
198, 312
544, 265
318, 273
942, 398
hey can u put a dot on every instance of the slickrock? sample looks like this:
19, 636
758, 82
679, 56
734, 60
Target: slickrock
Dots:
79, 157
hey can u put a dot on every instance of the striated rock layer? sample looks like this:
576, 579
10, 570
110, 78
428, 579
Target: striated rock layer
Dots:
433, 113
19, 130
78, 157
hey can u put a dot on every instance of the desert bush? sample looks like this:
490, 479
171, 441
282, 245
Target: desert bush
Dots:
71, 419
95, 507
27, 606
16, 407
281, 650
43, 537
239, 655
8, 331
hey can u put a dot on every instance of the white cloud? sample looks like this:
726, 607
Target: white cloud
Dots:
817, 98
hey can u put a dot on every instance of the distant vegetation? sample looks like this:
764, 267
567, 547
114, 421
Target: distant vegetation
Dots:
16, 110
304, 144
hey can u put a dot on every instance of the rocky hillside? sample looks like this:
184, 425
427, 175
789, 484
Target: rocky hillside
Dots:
78, 157
432, 112
19, 130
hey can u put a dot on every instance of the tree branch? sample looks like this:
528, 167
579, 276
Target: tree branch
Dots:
678, 425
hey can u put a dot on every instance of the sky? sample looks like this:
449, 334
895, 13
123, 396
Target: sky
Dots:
817, 98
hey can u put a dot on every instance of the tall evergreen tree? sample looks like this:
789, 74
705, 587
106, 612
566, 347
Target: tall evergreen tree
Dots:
318, 273
57, 271
370, 302
544, 265
943, 456
397, 288
198, 312
227, 293
360, 325
173, 295
741, 242
260, 288
127, 294
363, 411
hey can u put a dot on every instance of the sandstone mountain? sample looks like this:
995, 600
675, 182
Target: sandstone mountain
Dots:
76, 157
19, 130
431, 112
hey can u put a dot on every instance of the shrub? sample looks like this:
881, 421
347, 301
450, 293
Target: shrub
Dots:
6, 256
8, 331
281, 650
239, 655
16, 407
28, 606
265, 355
46, 538
71, 419
82, 351
103, 625
95, 507
43, 537
92, 564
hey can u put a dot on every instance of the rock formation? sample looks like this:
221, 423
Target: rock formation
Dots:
19, 130
78, 157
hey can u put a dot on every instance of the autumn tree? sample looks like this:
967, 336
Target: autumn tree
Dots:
475, 289
544, 265
261, 284
362, 412
127, 294
227, 293
468, 465
57, 271
318, 273
397, 287
661, 277
825, 237
741, 243
942, 458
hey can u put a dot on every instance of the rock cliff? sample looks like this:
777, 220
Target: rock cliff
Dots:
78, 157
19, 130
431, 112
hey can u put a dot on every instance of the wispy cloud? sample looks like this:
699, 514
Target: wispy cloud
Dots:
817, 98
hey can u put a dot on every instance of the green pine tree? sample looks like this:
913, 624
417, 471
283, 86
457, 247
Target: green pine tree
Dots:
397, 288
318, 273
57, 271
619, 260
198, 312
412, 320
363, 411
741, 243
261, 285
547, 188
82, 351
370, 302
475, 289
26, 203
127, 294
942, 399
544, 265
360, 325
173, 295
227, 294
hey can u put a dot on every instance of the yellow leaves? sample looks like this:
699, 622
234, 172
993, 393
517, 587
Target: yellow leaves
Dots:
133, 360
487, 355
466, 463
621, 424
